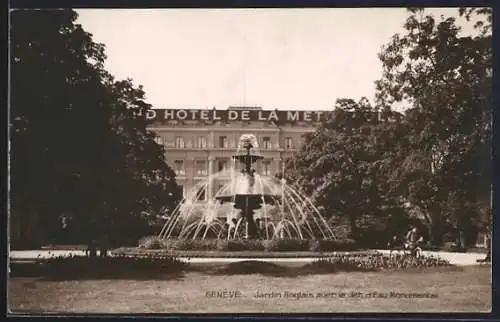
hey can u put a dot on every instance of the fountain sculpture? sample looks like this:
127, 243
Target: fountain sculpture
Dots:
248, 205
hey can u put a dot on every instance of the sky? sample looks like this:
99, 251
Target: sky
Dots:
289, 59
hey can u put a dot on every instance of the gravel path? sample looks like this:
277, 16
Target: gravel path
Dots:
461, 259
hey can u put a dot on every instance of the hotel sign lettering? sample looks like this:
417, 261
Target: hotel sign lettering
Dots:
235, 115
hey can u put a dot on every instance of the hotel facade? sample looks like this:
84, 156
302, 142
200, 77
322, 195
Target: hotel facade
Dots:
199, 143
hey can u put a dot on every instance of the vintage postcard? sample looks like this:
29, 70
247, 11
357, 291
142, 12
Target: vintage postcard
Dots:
250, 160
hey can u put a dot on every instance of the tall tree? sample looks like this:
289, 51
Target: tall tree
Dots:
55, 97
77, 145
445, 76
141, 182
342, 163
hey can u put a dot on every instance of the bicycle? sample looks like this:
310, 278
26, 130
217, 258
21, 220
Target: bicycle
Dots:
413, 250
399, 244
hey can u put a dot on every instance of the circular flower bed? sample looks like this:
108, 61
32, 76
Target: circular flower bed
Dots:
83, 267
376, 262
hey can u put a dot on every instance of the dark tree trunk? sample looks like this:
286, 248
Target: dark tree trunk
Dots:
458, 237
436, 233
354, 228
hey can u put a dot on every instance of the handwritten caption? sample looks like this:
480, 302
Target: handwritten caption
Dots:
299, 295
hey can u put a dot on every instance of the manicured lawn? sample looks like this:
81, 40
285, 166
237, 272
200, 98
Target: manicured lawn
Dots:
465, 289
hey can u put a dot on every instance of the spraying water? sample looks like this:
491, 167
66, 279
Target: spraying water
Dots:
248, 205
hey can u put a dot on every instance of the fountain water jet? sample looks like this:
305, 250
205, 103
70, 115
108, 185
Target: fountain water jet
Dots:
248, 205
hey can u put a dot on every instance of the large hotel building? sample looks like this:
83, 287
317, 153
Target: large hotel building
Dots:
199, 143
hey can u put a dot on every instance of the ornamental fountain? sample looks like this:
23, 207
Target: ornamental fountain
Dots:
248, 201
248, 205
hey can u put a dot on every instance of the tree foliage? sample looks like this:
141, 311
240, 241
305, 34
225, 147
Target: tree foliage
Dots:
77, 144
446, 76
437, 159
340, 164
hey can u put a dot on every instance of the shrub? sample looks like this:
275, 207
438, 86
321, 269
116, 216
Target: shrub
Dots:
331, 245
82, 267
341, 231
275, 245
152, 242
155, 244
286, 245
25, 245
432, 248
314, 245
452, 247
374, 262
447, 247
194, 244
240, 245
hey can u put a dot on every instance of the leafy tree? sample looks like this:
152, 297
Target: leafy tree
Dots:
54, 97
77, 144
446, 77
341, 165
147, 182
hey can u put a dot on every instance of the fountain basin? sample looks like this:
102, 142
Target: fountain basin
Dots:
244, 158
240, 199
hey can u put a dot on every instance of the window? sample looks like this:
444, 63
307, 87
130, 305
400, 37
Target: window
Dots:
202, 142
222, 165
288, 143
169, 143
266, 167
267, 142
179, 142
179, 167
159, 140
223, 142
201, 167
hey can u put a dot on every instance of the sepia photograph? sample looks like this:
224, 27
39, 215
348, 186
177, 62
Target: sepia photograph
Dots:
251, 160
